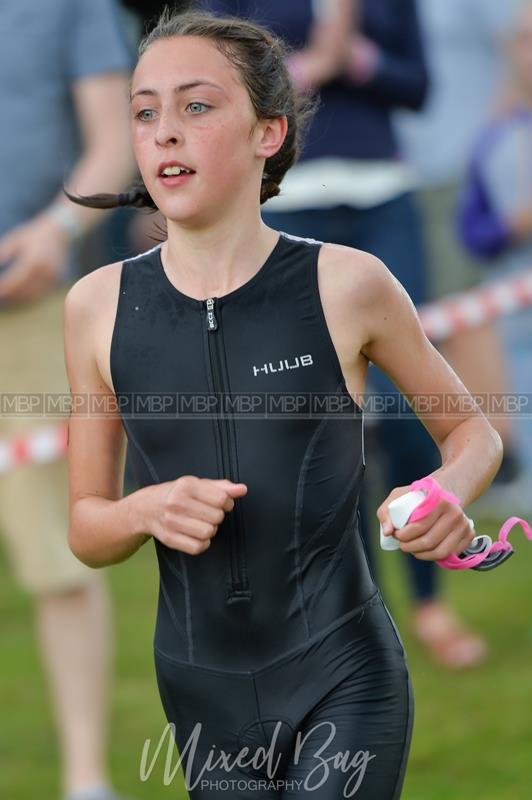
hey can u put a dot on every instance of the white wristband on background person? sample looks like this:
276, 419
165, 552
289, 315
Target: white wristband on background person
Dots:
67, 218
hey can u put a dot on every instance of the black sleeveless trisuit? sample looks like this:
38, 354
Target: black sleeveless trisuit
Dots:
276, 637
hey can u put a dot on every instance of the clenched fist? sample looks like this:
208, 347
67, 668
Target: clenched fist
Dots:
187, 512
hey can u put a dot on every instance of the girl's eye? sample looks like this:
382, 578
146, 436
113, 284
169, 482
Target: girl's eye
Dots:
196, 103
141, 114
146, 114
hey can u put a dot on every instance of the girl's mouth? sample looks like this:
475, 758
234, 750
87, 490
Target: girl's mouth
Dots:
175, 175
176, 180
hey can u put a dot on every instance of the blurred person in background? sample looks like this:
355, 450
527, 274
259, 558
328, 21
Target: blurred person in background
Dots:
495, 223
351, 187
64, 67
463, 43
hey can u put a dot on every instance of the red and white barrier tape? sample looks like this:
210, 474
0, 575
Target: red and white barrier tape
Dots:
37, 447
464, 310
439, 319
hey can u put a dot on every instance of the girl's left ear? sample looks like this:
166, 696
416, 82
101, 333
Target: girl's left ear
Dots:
273, 135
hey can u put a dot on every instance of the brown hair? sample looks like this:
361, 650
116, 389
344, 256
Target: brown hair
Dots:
259, 56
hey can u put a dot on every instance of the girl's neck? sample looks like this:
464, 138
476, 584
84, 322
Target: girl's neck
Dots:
215, 261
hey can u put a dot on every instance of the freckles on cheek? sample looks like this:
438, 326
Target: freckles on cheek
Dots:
140, 135
144, 163
226, 148
141, 144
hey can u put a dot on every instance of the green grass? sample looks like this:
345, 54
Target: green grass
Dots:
472, 734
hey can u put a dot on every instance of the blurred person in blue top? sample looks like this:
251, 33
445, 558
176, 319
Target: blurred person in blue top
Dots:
495, 223
350, 186
64, 67
464, 49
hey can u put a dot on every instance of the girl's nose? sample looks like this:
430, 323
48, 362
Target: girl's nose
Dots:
168, 131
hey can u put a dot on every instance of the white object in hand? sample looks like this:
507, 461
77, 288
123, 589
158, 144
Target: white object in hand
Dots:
400, 510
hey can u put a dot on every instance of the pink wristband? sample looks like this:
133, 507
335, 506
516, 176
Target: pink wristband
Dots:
434, 493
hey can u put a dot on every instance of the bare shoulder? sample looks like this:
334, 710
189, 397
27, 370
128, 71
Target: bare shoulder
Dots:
355, 274
88, 296
363, 301
89, 315
358, 287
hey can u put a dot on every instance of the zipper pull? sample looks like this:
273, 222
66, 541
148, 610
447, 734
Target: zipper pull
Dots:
212, 323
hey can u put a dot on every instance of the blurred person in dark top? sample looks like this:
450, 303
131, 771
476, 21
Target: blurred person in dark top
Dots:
64, 68
351, 187
149, 11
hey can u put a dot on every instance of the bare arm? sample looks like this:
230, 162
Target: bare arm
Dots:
397, 77
37, 249
470, 448
102, 110
104, 527
326, 51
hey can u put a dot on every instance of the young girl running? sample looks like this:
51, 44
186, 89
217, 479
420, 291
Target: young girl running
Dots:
238, 357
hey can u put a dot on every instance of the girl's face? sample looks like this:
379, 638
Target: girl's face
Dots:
188, 105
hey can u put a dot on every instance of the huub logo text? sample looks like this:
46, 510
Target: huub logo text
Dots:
283, 364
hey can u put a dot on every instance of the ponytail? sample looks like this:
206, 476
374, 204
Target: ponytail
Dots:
136, 197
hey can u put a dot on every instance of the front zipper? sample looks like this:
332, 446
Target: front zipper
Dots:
239, 586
